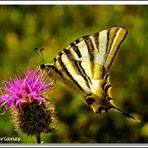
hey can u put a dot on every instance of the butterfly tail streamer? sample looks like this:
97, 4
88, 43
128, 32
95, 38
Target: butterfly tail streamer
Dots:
125, 113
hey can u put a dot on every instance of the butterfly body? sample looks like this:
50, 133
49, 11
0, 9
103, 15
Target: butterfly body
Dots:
84, 65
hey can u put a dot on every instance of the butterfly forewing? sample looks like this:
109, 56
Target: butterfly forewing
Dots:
84, 59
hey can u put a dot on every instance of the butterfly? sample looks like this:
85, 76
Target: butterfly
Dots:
84, 67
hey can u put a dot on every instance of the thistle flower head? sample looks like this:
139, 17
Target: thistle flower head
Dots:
32, 112
20, 91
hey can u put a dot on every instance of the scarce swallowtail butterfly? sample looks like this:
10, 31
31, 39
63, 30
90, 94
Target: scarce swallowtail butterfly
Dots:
84, 66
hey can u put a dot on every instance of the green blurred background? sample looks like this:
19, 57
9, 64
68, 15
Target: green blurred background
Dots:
53, 27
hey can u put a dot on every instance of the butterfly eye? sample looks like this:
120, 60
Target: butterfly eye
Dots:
90, 100
42, 66
40, 54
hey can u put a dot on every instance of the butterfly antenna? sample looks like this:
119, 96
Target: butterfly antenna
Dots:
125, 113
40, 54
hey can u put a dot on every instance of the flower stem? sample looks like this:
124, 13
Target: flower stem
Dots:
38, 138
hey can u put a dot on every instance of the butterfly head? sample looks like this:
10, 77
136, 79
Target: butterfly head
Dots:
42, 66
45, 67
49, 70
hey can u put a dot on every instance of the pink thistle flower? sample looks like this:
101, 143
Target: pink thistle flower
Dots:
20, 91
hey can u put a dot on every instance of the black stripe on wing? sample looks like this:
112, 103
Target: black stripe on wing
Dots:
116, 36
96, 40
84, 75
77, 41
110, 41
68, 74
77, 51
55, 69
91, 53
77, 66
